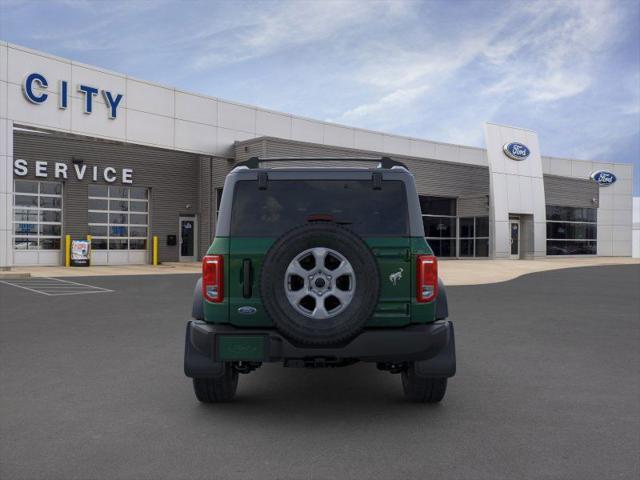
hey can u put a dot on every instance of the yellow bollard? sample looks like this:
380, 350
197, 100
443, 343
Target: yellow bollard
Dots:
67, 250
155, 251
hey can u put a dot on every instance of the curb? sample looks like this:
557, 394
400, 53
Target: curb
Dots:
13, 275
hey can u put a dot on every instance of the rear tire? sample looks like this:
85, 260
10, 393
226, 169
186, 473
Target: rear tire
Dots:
217, 389
422, 389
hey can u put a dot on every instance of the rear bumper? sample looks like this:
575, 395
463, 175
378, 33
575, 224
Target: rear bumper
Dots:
432, 345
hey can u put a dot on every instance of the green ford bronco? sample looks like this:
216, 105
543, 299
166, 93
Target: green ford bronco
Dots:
319, 267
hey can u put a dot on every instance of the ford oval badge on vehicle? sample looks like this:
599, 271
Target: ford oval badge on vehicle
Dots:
603, 178
246, 310
516, 151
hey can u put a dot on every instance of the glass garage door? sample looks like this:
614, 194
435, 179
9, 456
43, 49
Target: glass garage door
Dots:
37, 223
118, 220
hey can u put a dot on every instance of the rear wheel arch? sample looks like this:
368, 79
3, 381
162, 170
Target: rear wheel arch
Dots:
197, 308
442, 306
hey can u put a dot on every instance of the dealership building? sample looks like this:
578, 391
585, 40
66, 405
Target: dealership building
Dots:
89, 152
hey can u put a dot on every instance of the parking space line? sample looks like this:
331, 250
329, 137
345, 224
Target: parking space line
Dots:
54, 287
83, 284
25, 288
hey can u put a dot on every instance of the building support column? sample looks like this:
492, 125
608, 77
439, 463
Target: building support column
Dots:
6, 191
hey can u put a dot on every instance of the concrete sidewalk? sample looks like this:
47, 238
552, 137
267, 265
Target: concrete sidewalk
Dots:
453, 272
96, 271
478, 272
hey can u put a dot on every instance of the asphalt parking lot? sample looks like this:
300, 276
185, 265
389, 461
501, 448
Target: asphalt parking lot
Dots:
548, 386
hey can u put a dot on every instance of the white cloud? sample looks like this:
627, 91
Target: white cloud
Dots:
553, 55
540, 52
396, 99
274, 27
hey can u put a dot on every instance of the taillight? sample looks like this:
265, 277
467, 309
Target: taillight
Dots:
427, 278
212, 278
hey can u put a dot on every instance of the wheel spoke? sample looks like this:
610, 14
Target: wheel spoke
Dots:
319, 254
343, 296
344, 268
320, 312
296, 269
296, 295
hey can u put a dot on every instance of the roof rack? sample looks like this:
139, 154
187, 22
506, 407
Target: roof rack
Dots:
383, 162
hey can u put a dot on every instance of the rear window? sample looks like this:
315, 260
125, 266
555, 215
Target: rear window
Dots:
285, 204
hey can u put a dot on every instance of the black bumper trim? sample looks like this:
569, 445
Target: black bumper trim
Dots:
413, 343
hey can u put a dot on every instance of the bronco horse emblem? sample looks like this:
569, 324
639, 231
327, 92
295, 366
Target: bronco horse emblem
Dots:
394, 277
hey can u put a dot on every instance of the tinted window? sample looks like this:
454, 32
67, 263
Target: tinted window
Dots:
119, 192
97, 231
25, 201
25, 215
466, 248
571, 214
51, 202
25, 186
437, 205
138, 192
50, 216
439, 226
285, 204
572, 231
563, 247
50, 230
482, 247
466, 227
443, 248
482, 226
95, 204
51, 188
98, 191
50, 244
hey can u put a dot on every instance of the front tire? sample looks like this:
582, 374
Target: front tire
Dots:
422, 389
217, 389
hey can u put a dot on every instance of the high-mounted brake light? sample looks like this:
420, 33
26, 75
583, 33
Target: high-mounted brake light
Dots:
212, 278
427, 278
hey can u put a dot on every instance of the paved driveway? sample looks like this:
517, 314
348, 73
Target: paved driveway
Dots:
548, 387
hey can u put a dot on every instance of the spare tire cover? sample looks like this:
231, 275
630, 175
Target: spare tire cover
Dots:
319, 284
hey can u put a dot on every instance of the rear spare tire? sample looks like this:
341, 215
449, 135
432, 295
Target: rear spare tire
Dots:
319, 284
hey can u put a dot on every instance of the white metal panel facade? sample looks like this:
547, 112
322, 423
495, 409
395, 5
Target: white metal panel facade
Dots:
516, 187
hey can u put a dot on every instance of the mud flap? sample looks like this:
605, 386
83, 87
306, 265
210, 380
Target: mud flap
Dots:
444, 363
199, 365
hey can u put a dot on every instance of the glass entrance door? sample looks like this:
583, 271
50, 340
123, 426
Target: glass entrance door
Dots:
515, 239
187, 239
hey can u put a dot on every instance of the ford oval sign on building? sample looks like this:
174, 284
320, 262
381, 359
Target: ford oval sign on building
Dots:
603, 178
516, 151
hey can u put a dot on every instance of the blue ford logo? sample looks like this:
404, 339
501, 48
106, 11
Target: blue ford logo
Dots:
603, 178
246, 310
516, 151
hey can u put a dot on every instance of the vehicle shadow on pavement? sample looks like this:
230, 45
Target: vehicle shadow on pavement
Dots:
356, 394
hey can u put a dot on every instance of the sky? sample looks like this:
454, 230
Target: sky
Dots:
568, 69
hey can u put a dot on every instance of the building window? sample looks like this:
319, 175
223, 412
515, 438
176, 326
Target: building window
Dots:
571, 231
118, 217
440, 222
474, 237
37, 215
